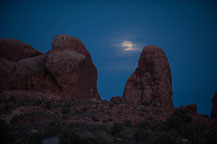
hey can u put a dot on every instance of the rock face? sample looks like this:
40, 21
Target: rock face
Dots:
116, 99
214, 106
66, 70
191, 108
71, 66
15, 50
152, 81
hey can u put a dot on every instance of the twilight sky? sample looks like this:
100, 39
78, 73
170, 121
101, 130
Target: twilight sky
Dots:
115, 31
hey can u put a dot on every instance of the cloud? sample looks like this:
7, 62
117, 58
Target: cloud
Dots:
126, 45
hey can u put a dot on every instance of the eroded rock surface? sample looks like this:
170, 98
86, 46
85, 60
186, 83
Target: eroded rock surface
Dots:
66, 70
14, 50
71, 66
152, 80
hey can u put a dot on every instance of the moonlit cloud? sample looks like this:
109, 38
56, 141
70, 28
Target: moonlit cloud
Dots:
127, 45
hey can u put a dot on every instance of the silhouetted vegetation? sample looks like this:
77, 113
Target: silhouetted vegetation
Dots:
116, 129
5, 138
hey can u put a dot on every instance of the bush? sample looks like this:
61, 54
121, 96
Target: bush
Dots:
145, 103
5, 138
162, 139
65, 110
144, 124
177, 120
70, 137
127, 123
142, 136
116, 129
48, 105
90, 140
95, 118
14, 120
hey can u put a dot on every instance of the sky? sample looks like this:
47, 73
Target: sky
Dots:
115, 32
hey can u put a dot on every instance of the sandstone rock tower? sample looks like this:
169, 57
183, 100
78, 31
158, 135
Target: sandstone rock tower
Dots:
152, 80
66, 70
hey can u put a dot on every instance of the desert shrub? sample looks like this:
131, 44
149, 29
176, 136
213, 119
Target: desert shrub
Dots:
177, 120
5, 138
144, 124
65, 110
84, 110
162, 139
104, 137
142, 136
116, 128
211, 136
14, 120
90, 140
95, 118
48, 105
6, 109
144, 103
70, 137
111, 105
67, 104
127, 123
37, 102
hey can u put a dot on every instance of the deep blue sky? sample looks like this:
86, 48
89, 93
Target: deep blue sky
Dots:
186, 31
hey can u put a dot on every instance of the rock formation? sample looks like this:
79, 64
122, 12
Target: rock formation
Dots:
152, 81
116, 99
214, 106
66, 70
190, 109
14, 50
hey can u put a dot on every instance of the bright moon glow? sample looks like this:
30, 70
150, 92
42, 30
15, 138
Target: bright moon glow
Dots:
127, 45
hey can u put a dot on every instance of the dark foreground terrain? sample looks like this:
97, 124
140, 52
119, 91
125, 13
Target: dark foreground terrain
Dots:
34, 121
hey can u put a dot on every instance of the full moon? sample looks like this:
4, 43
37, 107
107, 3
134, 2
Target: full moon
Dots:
127, 45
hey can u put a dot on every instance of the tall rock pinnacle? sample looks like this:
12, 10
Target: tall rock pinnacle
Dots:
152, 80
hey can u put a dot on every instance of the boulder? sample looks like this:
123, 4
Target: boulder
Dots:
152, 81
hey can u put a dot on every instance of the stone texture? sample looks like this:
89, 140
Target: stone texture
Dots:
152, 81
67, 70
190, 109
116, 99
14, 50
71, 66
214, 106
